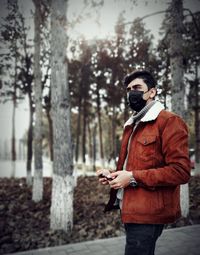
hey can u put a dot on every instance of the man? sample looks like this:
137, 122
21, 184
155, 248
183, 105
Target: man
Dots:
155, 161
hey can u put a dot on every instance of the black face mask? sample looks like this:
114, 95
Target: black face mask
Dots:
135, 100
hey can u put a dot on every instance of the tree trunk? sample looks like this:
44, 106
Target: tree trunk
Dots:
100, 128
38, 175
50, 134
176, 58
112, 140
29, 142
114, 134
90, 142
50, 143
13, 145
84, 132
62, 189
177, 72
197, 122
78, 129
94, 147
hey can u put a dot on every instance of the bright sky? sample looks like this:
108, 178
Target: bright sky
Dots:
108, 14
106, 17
102, 24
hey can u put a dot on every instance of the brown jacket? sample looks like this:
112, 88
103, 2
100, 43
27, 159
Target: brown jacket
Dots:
159, 159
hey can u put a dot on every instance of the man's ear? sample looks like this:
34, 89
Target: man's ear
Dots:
153, 93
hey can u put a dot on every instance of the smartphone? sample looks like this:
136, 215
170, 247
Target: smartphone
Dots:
109, 178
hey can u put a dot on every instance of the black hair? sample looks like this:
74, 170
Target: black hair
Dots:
146, 76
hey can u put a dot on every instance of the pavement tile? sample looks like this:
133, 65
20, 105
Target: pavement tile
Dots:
58, 253
95, 247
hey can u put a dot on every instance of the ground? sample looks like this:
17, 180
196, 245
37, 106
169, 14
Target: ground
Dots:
24, 225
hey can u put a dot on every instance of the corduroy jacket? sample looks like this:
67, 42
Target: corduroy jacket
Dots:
159, 160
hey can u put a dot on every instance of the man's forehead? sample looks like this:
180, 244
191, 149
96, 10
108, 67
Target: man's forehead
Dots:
136, 82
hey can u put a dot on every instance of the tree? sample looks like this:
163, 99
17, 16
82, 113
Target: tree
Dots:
176, 58
177, 72
38, 174
85, 81
164, 77
192, 63
11, 34
107, 101
80, 80
25, 81
76, 102
62, 189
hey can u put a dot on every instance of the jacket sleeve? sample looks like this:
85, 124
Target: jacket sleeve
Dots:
176, 170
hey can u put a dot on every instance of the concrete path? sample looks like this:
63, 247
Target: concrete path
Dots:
177, 241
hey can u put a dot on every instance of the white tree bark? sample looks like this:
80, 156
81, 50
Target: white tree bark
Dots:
184, 200
177, 72
62, 202
38, 175
62, 192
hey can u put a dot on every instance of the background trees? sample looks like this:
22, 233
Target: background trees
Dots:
11, 30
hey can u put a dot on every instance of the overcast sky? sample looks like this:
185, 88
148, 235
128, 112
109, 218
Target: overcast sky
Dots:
106, 18
108, 14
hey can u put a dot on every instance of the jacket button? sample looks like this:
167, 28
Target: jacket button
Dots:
145, 142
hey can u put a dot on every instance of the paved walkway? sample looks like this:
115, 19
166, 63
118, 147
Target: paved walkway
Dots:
177, 241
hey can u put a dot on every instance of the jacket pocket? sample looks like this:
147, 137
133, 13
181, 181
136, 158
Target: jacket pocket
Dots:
146, 147
142, 201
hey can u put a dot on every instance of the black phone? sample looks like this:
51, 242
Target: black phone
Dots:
109, 178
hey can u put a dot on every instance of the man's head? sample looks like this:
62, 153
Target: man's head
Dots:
146, 76
141, 89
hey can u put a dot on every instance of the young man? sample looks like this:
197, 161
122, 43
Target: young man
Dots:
153, 162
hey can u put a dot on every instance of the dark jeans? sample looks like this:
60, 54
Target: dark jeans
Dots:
141, 238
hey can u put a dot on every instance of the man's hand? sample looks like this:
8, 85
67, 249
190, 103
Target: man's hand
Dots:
103, 172
121, 179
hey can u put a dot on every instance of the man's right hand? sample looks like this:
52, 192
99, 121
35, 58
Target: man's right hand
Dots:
103, 172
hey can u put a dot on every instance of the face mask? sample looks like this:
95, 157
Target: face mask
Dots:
135, 100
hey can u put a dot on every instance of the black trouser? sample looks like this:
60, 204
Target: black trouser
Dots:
141, 238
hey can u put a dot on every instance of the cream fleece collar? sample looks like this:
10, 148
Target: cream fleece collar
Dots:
152, 114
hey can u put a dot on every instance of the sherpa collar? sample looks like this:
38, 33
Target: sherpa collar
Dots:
152, 114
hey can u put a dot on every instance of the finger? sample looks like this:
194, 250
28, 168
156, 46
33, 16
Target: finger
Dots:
98, 172
114, 181
114, 184
103, 181
115, 174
